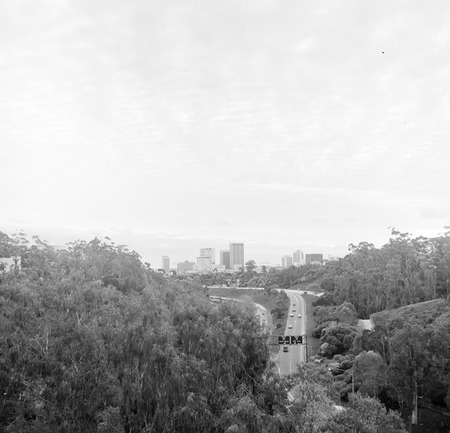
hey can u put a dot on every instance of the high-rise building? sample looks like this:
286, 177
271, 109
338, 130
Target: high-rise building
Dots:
166, 263
298, 258
209, 252
225, 258
314, 259
236, 255
286, 262
184, 267
207, 259
204, 263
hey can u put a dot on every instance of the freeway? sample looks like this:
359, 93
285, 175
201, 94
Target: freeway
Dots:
296, 353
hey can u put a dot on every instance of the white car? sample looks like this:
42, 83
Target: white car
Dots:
290, 326
291, 315
299, 315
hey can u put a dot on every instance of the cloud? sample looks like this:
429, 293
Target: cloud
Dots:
284, 121
433, 213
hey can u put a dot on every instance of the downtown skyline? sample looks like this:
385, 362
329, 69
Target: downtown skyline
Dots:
207, 259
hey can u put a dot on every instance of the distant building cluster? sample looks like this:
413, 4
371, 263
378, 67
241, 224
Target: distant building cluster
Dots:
229, 260
300, 259
233, 259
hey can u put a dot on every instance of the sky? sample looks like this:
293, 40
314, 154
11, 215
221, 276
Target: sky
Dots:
172, 126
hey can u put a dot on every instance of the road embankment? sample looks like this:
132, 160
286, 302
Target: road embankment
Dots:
276, 304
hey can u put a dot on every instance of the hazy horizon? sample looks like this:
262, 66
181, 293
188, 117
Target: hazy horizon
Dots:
180, 250
174, 126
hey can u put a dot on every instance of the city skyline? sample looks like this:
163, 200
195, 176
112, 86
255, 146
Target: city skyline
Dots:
174, 126
298, 258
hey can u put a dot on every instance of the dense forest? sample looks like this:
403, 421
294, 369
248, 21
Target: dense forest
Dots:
404, 288
93, 340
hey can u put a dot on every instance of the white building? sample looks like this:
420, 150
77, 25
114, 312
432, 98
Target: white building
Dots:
286, 262
204, 263
298, 258
209, 252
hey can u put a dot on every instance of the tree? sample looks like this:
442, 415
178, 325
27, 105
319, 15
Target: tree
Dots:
337, 339
408, 361
369, 373
311, 407
250, 266
364, 415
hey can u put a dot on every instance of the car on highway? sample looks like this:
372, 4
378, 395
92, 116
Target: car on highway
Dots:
294, 310
291, 315
285, 349
299, 315
290, 326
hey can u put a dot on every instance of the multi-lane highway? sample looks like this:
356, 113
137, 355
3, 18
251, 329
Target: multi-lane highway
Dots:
296, 353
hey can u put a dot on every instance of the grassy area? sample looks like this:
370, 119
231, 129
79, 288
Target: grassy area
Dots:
422, 313
311, 286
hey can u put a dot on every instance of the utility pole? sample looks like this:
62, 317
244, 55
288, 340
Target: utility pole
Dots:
306, 349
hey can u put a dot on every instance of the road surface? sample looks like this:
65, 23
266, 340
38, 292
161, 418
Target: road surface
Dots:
365, 324
296, 353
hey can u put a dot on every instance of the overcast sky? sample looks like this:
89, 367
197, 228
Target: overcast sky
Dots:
174, 125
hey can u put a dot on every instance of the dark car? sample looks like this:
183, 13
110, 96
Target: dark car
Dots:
285, 349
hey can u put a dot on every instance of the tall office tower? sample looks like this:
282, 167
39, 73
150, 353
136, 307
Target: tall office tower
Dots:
286, 262
225, 258
236, 255
209, 252
298, 258
314, 259
166, 263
